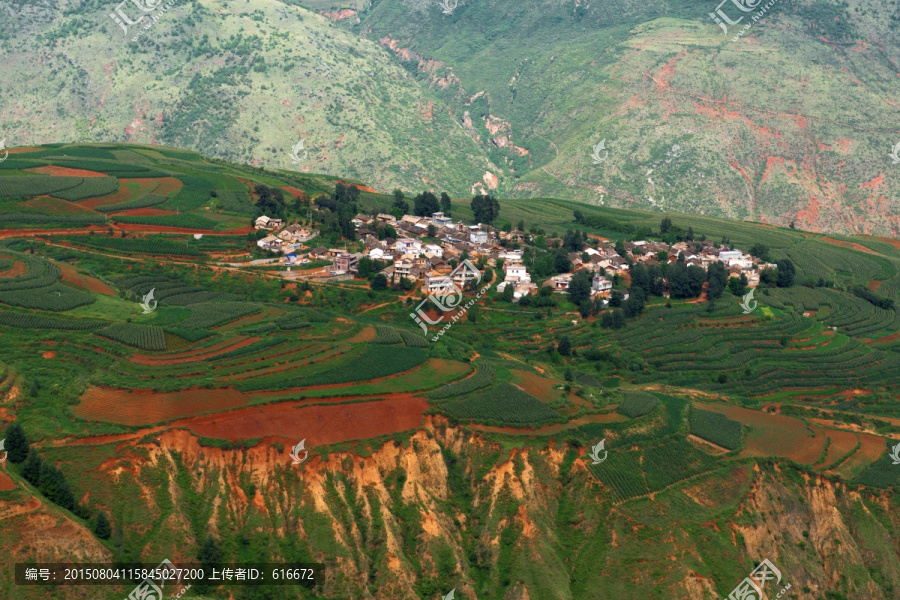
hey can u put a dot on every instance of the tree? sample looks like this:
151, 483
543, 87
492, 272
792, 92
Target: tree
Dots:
561, 263
759, 251
102, 528
16, 443
768, 276
521, 225
446, 205
508, 294
564, 346
735, 286
580, 287
616, 298
31, 468
690, 234
685, 281
786, 273
425, 204
485, 208
432, 230
640, 278
717, 277
379, 282
620, 248
400, 203
665, 225
209, 555
365, 267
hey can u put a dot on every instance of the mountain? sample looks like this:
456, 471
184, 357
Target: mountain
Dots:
239, 81
794, 121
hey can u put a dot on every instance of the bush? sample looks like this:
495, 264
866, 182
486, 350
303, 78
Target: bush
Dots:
386, 335
33, 321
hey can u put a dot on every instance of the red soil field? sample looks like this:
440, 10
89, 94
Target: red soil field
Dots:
70, 275
144, 212
774, 435
554, 428
64, 172
318, 424
6, 483
366, 334
163, 229
49, 354
145, 186
295, 192
850, 245
145, 407
167, 185
17, 269
532, 383
195, 355
55, 206
871, 448
842, 442
362, 188
6, 233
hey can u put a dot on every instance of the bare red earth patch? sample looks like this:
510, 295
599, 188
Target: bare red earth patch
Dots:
49, 354
145, 407
144, 212
123, 194
65, 172
6, 483
17, 269
318, 424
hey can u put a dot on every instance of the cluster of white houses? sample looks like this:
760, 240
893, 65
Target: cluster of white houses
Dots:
416, 255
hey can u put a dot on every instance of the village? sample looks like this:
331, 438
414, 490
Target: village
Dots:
427, 250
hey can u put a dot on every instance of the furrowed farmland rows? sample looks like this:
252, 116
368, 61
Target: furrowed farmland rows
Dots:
482, 378
32, 321
505, 404
196, 354
145, 337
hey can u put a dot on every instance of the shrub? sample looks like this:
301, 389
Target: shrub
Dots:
33, 321
386, 335
483, 376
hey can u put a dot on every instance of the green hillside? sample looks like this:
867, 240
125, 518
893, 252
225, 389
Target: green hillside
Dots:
794, 122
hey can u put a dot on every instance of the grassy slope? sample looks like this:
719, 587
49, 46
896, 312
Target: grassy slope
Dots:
238, 81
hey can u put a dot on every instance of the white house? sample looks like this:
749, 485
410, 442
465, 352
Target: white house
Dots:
600, 284
408, 245
726, 255
434, 283
439, 219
